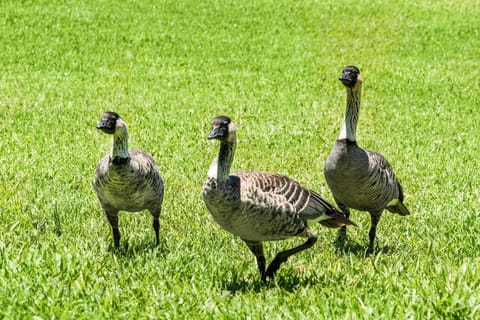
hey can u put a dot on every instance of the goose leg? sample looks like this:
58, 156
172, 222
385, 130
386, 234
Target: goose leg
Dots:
113, 219
342, 232
156, 224
375, 218
284, 255
257, 250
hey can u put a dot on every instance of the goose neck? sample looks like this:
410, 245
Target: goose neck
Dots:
349, 126
120, 142
220, 168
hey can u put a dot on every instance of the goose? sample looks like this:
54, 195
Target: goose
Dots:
360, 179
126, 180
260, 206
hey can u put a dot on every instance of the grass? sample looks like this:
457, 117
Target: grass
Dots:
169, 67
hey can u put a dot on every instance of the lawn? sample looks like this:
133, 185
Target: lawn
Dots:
168, 68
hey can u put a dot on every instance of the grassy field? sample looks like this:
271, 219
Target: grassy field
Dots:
169, 67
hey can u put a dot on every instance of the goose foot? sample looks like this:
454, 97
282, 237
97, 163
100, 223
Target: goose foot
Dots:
369, 251
341, 238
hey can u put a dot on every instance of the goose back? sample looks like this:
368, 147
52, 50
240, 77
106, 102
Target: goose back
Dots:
131, 185
258, 206
360, 179
262, 206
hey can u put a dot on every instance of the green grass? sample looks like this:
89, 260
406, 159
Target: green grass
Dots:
169, 67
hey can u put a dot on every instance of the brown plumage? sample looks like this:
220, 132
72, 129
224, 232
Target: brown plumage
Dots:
360, 179
260, 206
125, 179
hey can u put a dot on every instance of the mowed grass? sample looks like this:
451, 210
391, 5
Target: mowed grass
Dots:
169, 67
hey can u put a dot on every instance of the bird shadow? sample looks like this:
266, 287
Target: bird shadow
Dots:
287, 280
350, 247
130, 250
242, 285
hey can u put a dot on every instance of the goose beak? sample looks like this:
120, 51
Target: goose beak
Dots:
214, 133
349, 76
105, 127
347, 80
101, 124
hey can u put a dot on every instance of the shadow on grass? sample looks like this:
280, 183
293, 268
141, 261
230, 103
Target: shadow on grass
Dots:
288, 280
360, 250
127, 250
237, 285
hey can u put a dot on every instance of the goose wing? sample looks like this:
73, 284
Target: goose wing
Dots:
381, 173
280, 193
274, 191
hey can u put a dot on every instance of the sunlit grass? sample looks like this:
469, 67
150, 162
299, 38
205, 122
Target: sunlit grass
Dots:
169, 67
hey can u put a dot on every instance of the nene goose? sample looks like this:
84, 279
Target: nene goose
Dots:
358, 178
259, 206
125, 179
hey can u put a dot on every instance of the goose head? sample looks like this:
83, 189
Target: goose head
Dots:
108, 122
351, 77
223, 129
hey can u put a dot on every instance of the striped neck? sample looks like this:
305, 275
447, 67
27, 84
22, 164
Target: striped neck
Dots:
220, 168
348, 130
120, 141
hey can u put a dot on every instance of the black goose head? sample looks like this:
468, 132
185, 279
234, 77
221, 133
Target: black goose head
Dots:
350, 76
108, 122
222, 127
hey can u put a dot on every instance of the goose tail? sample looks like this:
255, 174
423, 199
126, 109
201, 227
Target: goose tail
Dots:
397, 206
336, 220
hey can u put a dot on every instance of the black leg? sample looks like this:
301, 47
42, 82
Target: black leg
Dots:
113, 219
375, 218
342, 232
257, 250
156, 225
284, 255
